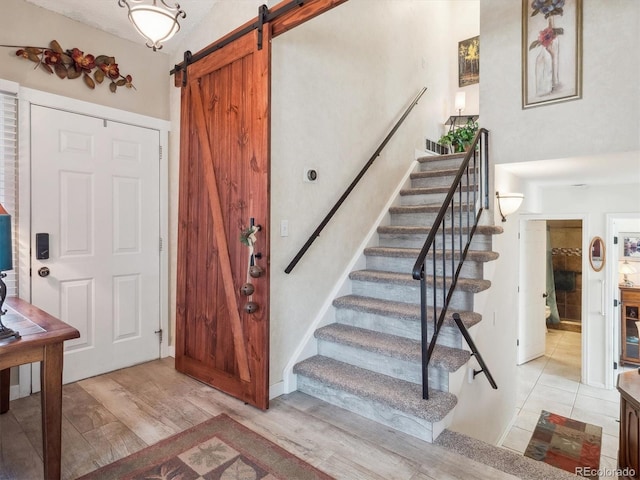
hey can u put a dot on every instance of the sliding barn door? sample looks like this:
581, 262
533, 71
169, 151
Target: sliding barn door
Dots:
224, 184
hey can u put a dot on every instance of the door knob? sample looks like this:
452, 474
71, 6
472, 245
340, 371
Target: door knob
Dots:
544, 295
44, 271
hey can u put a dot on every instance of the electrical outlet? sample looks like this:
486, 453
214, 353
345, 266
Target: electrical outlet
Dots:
284, 228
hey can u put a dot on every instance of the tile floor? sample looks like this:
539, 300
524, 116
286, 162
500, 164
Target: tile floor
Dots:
552, 383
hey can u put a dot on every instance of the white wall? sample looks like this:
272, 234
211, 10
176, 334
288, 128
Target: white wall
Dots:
340, 82
23, 24
606, 118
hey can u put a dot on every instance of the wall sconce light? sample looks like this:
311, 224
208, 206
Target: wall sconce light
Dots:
626, 269
155, 23
508, 203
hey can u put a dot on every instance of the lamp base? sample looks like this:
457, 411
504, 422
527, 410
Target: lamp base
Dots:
8, 333
5, 332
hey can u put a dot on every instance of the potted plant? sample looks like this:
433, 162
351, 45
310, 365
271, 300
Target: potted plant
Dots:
459, 139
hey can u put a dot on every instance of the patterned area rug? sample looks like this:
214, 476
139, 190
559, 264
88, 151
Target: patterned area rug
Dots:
567, 444
219, 448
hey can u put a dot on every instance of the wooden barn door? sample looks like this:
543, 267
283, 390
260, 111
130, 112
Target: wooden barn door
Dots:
224, 183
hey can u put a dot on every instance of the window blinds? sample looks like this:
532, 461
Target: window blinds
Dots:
9, 176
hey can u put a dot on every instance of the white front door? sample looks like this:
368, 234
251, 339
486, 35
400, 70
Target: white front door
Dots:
95, 192
532, 326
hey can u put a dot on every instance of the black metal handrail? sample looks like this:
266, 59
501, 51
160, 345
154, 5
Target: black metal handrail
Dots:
459, 216
355, 181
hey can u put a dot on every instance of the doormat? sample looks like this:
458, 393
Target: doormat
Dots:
565, 443
219, 448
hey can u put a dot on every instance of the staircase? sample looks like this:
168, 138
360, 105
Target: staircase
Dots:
369, 361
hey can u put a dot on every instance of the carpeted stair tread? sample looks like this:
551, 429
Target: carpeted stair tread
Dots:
398, 394
402, 310
446, 358
398, 252
419, 230
500, 458
379, 276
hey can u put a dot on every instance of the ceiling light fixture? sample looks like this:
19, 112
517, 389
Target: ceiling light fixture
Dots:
508, 203
156, 23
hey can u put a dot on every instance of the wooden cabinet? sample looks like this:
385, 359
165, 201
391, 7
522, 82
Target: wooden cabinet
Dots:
629, 326
629, 446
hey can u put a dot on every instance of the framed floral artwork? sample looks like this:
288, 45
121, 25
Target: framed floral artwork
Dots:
551, 51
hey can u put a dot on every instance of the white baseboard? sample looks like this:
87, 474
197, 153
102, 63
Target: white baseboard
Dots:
506, 431
276, 390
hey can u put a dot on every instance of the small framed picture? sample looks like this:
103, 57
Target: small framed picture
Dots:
631, 245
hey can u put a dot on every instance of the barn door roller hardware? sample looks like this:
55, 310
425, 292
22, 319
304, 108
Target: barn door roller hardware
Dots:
264, 16
263, 13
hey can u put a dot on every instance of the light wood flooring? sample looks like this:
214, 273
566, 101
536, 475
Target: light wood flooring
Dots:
111, 416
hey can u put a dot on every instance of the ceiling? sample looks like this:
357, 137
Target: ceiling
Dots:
107, 15
611, 169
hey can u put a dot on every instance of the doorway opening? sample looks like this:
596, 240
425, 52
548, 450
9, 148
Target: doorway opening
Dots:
563, 309
552, 303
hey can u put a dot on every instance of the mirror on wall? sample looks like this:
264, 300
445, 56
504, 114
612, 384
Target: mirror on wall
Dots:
597, 254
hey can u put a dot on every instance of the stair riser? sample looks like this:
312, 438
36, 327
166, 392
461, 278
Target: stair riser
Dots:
444, 164
479, 242
432, 198
375, 411
393, 367
432, 181
423, 219
405, 265
410, 294
408, 328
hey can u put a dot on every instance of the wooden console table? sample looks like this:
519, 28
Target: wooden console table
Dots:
42, 341
629, 447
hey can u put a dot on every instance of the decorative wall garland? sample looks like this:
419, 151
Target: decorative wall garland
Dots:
75, 63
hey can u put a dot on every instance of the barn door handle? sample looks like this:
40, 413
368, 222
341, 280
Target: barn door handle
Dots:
44, 271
